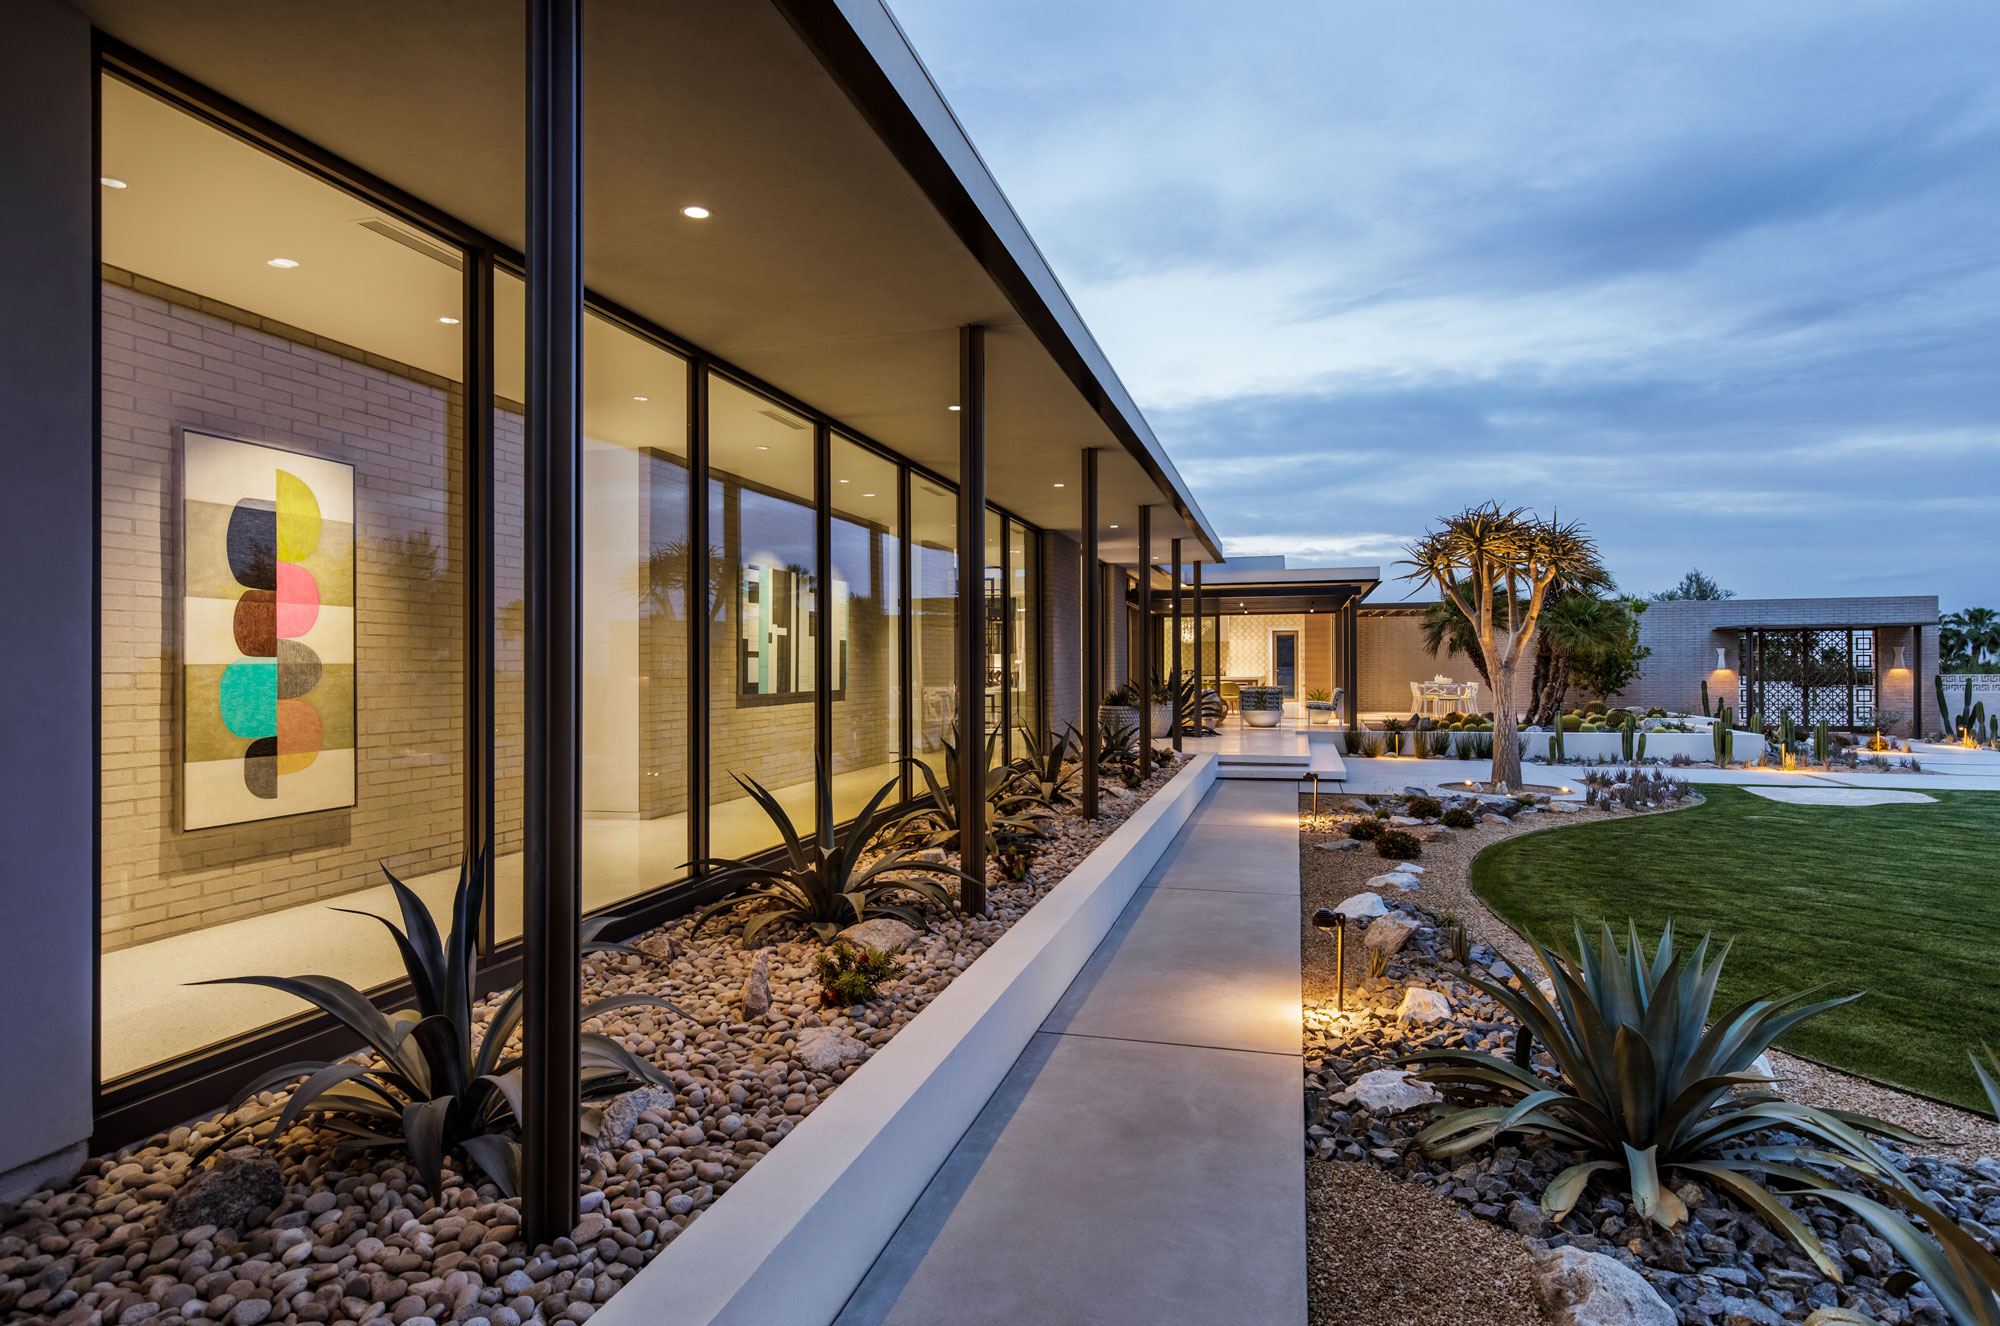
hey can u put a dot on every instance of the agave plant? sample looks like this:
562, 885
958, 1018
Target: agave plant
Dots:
1047, 772
1117, 743
1196, 710
823, 885
435, 1084
1011, 815
1648, 1084
1957, 1267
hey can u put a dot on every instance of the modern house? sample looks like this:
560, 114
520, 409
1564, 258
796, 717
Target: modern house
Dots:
435, 431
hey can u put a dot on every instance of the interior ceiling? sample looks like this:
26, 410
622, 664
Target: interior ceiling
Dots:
823, 268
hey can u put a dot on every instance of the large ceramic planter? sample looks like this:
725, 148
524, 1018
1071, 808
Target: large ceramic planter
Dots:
1321, 713
1261, 706
1119, 715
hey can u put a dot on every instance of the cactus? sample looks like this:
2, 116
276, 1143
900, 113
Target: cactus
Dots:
1704, 697
1822, 743
1625, 734
1944, 709
1725, 739
1641, 756
1556, 743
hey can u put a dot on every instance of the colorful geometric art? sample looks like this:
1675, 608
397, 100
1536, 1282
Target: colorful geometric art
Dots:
267, 613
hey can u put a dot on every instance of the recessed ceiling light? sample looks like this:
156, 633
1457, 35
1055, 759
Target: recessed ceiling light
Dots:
638, 398
868, 494
281, 262
763, 448
110, 183
1058, 485
1114, 527
952, 408
449, 322
695, 213
843, 481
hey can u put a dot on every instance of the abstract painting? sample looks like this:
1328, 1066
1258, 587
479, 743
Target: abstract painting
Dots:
267, 631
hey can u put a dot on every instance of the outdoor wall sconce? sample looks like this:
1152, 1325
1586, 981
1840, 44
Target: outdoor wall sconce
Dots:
1328, 919
1899, 665
1721, 662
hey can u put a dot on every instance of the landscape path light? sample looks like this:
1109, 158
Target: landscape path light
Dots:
1328, 919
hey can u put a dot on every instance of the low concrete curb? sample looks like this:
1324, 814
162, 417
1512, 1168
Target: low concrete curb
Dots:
792, 1239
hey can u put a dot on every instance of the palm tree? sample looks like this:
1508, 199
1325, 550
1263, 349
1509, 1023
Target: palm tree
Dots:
1575, 627
1972, 633
1498, 569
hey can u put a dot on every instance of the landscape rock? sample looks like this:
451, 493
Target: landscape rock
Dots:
1340, 845
1361, 906
1492, 821
225, 1194
1387, 1091
1421, 1005
1388, 933
1580, 1288
757, 989
824, 1048
1401, 882
1407, 868
659, 947
1404, 821
621, 1113
882, 934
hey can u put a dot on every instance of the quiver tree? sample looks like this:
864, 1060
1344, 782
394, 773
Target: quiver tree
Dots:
1498, 568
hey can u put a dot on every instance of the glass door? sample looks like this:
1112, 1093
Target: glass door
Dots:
1285, 662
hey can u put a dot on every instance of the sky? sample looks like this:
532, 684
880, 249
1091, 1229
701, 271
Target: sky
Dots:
1720, 280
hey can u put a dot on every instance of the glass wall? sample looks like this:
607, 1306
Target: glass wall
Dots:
866, 608
1024, 663
285, 555
282, 579
765, 618
934, 615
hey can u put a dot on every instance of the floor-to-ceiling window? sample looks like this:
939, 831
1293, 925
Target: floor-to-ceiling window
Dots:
995, 589
762, 634
1025, 613
282, 571
866, 606
934, 614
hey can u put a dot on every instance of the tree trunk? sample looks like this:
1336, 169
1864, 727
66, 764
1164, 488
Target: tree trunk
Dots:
1506, 732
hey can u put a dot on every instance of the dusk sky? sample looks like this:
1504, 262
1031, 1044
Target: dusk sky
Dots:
1720, 280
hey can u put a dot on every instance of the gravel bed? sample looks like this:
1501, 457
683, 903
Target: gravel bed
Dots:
1722, 1268
317, 1238
1389, 1255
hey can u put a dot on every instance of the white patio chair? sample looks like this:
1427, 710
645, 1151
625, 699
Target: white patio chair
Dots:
1470, 702
1418, 700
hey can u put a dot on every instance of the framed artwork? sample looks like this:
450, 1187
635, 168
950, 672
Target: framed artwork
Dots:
267, 632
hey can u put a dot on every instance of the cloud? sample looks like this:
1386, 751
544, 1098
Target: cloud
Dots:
1719, 280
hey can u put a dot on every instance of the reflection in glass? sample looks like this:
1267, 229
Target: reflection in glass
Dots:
761, 637
934, 614
866, 607
1025, 655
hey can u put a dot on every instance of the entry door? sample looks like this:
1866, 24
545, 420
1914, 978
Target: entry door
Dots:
1285, 662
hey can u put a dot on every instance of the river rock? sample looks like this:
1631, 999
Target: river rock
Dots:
757, 989
1402, 883
621, 1113
823, 1048
1580, 1288
658, 947
224, 1194
1362, 906
1387, 1091
1389, 933
1407, 868
882, 934
1421, 1005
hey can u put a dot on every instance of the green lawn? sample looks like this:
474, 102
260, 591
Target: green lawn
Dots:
1902, 902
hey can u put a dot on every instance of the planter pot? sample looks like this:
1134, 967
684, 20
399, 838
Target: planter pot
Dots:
1320, 713
1119, 715
1261, 706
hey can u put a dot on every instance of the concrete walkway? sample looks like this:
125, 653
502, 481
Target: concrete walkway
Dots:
1141, 1163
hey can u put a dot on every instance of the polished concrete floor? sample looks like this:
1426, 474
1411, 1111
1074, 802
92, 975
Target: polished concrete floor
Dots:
151, 1013
1141, 1162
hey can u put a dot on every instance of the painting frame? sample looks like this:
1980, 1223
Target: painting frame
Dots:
266, 677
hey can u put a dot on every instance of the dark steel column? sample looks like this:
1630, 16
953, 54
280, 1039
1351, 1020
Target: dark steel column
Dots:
1007, 641
1091, 638
972, 616
1143, 647
1353, 668
822, 611
1200, 682
1917, 688
550, 793
906, 615
476, 402
1174, 650
700, 609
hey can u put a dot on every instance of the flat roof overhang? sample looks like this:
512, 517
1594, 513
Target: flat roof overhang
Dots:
1288, 592
854, 228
